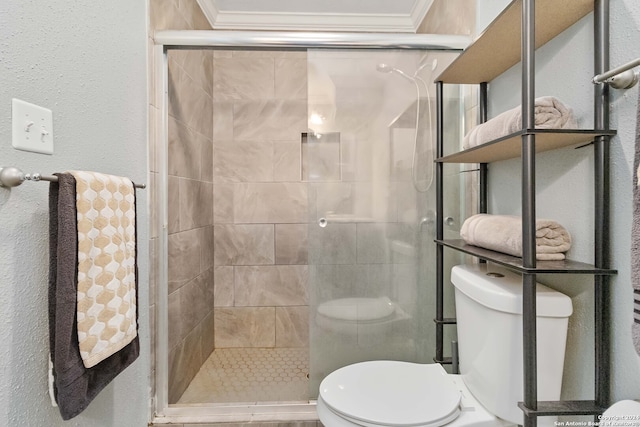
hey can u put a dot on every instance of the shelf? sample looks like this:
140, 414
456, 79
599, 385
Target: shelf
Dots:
498, 48
510, 146
567, 407
515, 263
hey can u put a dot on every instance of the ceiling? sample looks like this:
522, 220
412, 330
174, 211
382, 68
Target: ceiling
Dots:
402, 16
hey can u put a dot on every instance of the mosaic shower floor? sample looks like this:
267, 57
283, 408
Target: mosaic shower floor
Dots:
250, 375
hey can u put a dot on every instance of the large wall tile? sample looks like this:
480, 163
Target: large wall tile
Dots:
224, 286
291, 243
193, 304
208, 335
280, 285
332, 197
372, 243
244, 161
208, 248
173, 204
286, 161
244, 244
174, 312
184, 362
222, 121
184, 151
328, 282
243, 78
206, 158
269, 120
270, 202
196, 204
291, 78
292, 326
189, 104
334, 244
223, 203
245, 327
184, 257
198, 64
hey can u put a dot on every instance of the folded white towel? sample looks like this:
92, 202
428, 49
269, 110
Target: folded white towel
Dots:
503, 233
550, 113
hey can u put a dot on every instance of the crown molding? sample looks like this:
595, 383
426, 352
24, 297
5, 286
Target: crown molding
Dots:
292, 21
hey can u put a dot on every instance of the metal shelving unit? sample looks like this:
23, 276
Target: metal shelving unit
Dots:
533, 23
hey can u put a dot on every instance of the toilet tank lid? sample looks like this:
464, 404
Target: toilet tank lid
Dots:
501, 289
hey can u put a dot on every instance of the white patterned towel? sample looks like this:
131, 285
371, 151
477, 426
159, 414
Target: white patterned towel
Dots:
106, 264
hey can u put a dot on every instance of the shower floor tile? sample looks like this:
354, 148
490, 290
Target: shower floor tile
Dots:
251, 375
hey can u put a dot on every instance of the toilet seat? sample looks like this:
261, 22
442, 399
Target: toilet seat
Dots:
390, 393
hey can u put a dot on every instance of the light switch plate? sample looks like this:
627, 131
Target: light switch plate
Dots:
32, 127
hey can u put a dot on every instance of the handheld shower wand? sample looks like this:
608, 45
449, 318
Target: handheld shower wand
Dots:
387, 69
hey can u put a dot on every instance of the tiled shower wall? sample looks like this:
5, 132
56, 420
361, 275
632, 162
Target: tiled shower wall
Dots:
260, 201
190, 195
190, 226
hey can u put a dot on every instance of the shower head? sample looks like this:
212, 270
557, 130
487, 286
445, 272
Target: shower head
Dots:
386, 68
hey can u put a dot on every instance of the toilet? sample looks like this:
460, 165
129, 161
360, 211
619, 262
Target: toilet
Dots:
489, 312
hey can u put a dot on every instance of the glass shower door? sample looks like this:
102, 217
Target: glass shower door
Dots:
368, 161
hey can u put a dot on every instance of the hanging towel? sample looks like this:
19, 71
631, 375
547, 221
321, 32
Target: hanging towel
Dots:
635, 239
106, 264
549, 113
503, 233
75, 385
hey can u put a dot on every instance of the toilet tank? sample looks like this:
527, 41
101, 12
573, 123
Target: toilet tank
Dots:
489, 322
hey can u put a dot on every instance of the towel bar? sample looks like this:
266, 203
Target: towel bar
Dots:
12, 177
622, 77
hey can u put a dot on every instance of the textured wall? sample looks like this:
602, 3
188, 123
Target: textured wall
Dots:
86, 61
564, 69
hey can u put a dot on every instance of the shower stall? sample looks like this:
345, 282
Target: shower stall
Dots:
296, 227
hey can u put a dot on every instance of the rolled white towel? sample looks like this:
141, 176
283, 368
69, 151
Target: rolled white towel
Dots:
549, 113
503, 233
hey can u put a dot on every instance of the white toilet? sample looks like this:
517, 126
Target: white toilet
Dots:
488, 309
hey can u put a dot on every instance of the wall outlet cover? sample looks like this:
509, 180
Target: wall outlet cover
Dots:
32, 127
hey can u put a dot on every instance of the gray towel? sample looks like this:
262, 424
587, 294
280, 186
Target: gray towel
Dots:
635, 239
74, 385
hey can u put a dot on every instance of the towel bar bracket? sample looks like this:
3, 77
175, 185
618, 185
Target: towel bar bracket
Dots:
11, 177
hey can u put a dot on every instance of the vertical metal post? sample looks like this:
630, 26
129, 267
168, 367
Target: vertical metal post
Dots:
439, 221
601, 191
483, 166
529, 211
484, 170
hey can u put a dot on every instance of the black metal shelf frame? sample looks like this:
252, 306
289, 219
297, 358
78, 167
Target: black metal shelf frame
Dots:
528, 265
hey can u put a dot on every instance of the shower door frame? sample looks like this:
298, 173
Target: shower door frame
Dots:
160, 411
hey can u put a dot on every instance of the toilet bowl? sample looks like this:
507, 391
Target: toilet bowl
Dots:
412, 394
489, 313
